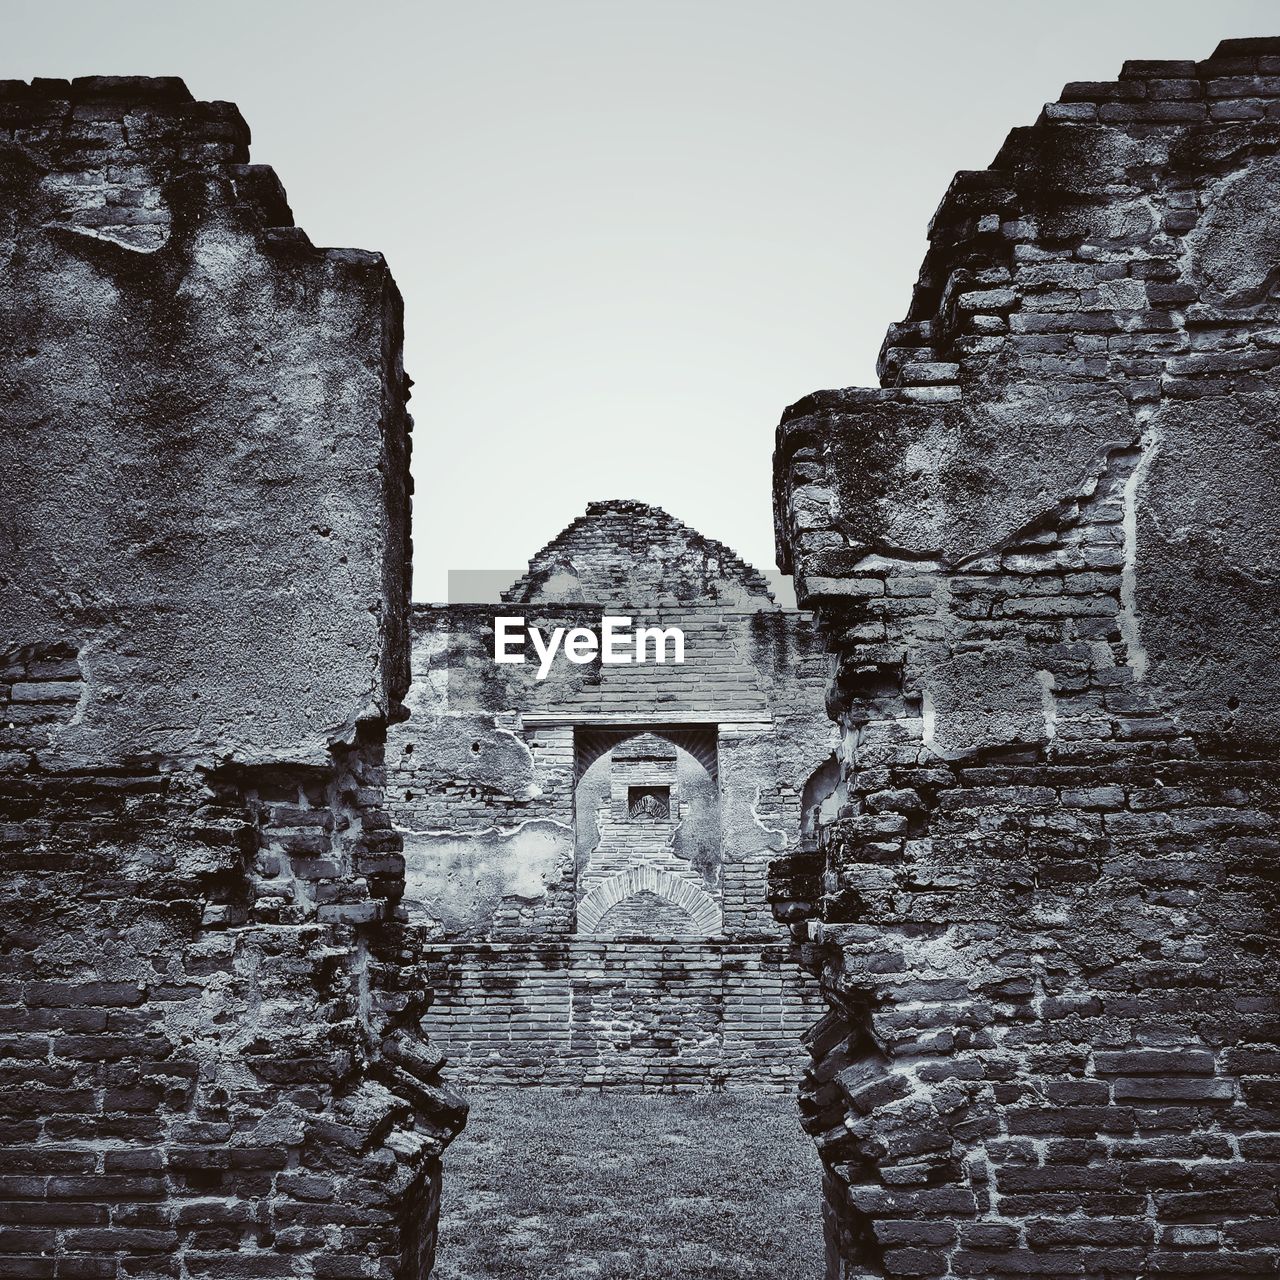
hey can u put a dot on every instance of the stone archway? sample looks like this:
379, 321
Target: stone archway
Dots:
693, 845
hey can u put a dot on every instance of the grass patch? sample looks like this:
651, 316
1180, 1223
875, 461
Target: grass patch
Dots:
545, 1183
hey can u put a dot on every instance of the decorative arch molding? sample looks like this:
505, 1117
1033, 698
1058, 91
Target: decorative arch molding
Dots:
698, 740
701, 908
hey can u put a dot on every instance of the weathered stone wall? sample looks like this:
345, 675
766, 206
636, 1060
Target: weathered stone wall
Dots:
484, 768
560, 912
209, 1057
1044, 552
190, 377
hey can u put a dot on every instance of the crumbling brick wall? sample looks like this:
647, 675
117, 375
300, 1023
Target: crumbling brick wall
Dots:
209, 1057
525, 876
1044, 553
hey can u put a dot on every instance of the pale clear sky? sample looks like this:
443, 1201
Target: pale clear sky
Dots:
628, 234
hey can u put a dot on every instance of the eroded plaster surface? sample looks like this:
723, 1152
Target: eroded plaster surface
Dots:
210, 1008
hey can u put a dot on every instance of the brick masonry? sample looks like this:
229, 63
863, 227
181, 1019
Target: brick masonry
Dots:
569, 940
634, 1014
210, 1063
1043, 551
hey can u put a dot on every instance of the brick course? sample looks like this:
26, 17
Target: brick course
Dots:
627, 1015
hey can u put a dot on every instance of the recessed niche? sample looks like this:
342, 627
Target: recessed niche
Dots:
649, 802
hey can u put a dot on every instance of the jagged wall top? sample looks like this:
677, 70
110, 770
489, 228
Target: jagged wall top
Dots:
204, 489
112, 143
1103, 293
982, 216
631, 553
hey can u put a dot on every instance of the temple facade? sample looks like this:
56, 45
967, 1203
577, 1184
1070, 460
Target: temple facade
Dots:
588, 845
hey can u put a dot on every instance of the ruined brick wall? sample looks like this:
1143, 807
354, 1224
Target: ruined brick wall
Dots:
1044, 552
568, 943
210, 1061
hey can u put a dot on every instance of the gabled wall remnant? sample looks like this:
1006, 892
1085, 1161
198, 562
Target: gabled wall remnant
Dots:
574, 938
1045, 551
211, 1060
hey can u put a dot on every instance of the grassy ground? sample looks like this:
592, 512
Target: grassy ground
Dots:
546, 1184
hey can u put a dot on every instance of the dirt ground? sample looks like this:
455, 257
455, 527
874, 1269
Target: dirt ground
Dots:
546, 1184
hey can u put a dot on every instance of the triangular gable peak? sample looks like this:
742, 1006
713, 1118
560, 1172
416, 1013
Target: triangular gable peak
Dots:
629, 553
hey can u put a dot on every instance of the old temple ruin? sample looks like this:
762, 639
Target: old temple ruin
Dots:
254, 806
588, 855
